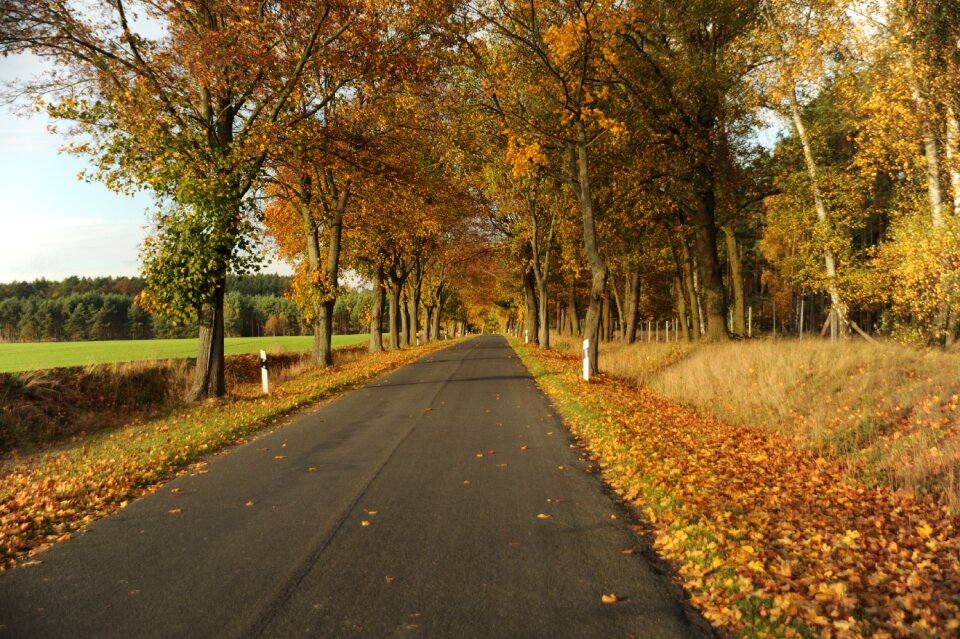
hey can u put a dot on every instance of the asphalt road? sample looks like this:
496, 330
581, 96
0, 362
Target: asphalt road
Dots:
480, 522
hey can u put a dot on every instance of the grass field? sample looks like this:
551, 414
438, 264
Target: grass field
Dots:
41, 355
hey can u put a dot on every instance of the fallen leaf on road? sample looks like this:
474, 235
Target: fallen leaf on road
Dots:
479, 455
202, 472
364, 523
524, 447
614, 517
466, 482
176, 491
628, 551
312, 468
502, 465
427, 409
491, 452
550, 433
175, 511
561, 467
609, 599
249, 503
280, 457
372, 512
543, 516
388, 579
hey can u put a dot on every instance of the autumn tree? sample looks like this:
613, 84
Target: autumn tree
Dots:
184, 99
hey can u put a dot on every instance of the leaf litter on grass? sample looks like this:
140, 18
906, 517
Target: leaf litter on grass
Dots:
769, 539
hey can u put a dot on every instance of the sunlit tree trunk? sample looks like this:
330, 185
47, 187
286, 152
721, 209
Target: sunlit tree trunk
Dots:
953, 157
681, 307
209, 378
376, 313
541, 247
736, 276
689, 269
839, 324
580, 179
633, 306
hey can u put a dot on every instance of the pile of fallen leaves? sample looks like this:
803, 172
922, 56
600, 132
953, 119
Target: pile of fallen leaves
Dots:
769, 539
46, 496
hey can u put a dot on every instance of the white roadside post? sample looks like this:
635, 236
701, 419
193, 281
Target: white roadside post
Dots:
526, 337
263, 372
586, 360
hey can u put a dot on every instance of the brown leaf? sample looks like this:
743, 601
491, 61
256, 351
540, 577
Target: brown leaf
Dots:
609, 599
175, 511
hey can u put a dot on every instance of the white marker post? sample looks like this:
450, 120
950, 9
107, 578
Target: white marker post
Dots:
526, 337
263, 373
586, 360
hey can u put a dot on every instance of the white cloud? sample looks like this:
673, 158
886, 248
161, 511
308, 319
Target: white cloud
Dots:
57, 247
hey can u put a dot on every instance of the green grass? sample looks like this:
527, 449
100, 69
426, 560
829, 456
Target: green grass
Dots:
41, 355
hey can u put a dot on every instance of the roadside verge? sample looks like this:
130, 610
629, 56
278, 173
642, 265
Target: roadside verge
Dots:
48, 495
770, 540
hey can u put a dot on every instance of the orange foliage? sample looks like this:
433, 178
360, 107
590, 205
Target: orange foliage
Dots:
769, 538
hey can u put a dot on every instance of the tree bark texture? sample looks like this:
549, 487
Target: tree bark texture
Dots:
705, 240
580, 178
376, 313
693, 296
633, 306
736, 277
209, 379
530, 307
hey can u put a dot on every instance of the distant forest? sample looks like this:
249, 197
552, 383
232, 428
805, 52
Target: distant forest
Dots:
103, 308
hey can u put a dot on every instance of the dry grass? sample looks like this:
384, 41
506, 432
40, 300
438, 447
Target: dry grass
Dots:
892, 412
44, 407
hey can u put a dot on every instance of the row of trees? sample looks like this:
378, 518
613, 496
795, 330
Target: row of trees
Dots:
628, 175
321, 120
598, 153
55, 311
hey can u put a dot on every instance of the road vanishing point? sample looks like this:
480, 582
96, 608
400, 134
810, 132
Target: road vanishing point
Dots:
444, 499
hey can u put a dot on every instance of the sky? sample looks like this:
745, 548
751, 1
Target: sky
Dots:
55, 225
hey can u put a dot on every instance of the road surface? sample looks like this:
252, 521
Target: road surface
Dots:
442, 500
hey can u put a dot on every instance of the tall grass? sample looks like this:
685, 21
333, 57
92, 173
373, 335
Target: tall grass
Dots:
892, 412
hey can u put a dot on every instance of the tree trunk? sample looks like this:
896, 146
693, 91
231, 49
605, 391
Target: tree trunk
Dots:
404, 320
953, 157
839, 326
606, 322
705, 241
413, 305
930, 154
736, 276
376, 313
573, 317
681, 307
616, 299
633, 306
689, 270
209, 379
436, 318
530, 307
580, 178
428, 335
393, 304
